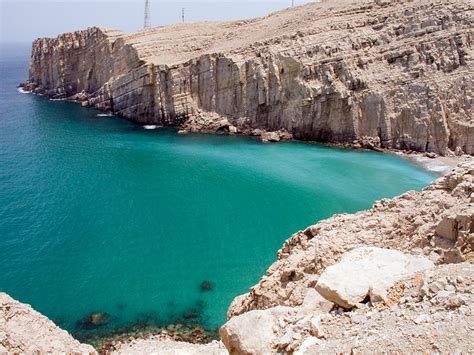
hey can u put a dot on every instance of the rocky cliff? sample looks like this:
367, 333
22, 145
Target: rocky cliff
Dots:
397, 73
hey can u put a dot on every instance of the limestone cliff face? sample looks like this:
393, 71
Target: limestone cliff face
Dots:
400, 72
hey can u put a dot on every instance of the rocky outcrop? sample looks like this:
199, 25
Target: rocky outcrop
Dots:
431, 312
395, 74
413, 222
23, 330
378, 298
427, 312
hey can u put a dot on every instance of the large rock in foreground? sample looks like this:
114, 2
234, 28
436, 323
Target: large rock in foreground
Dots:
397, 74
253, 332
23, 330
367, 272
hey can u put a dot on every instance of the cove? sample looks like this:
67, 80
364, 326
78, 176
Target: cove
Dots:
99, 214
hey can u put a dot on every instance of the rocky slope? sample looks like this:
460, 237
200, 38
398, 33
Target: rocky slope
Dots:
343, 285
394, 74
437, 222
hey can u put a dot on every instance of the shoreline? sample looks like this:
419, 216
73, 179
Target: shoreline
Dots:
439, 165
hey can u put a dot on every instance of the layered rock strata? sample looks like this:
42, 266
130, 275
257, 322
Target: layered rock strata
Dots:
395, 74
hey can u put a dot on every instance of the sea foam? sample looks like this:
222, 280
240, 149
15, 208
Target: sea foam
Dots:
23, 91
152, 126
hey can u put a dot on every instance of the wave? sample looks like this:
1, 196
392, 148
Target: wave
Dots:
434, 165
108, 114
23, 91
57, 99
151, 126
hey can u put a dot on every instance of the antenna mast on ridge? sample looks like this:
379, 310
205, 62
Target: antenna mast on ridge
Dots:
146, 22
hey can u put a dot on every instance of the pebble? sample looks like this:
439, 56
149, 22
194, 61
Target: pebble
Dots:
315, 327
357, 318
422, 318
450, 288
444, 294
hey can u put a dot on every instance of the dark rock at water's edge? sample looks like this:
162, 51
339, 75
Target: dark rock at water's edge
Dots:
93, 320
103, 330
190, 333
188, 330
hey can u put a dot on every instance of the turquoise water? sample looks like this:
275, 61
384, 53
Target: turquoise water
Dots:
98, 214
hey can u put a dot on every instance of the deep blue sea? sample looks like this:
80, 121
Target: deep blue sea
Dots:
99, 214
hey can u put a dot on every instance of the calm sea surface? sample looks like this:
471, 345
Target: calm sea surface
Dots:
99, 214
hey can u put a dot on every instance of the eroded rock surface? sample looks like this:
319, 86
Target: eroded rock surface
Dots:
394, 74
367, 273
429, 312
23, 330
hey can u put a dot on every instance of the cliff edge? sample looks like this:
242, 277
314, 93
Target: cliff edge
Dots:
398, 74
25, 331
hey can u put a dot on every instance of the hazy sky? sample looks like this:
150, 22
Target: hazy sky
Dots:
25, 20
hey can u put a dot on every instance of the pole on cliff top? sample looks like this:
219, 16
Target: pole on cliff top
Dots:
146, 22
182, 14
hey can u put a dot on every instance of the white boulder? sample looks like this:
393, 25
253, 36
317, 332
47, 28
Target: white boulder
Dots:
367, 271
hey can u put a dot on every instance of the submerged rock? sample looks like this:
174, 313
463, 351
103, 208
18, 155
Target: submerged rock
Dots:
206, 286
93, 320
191, 314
